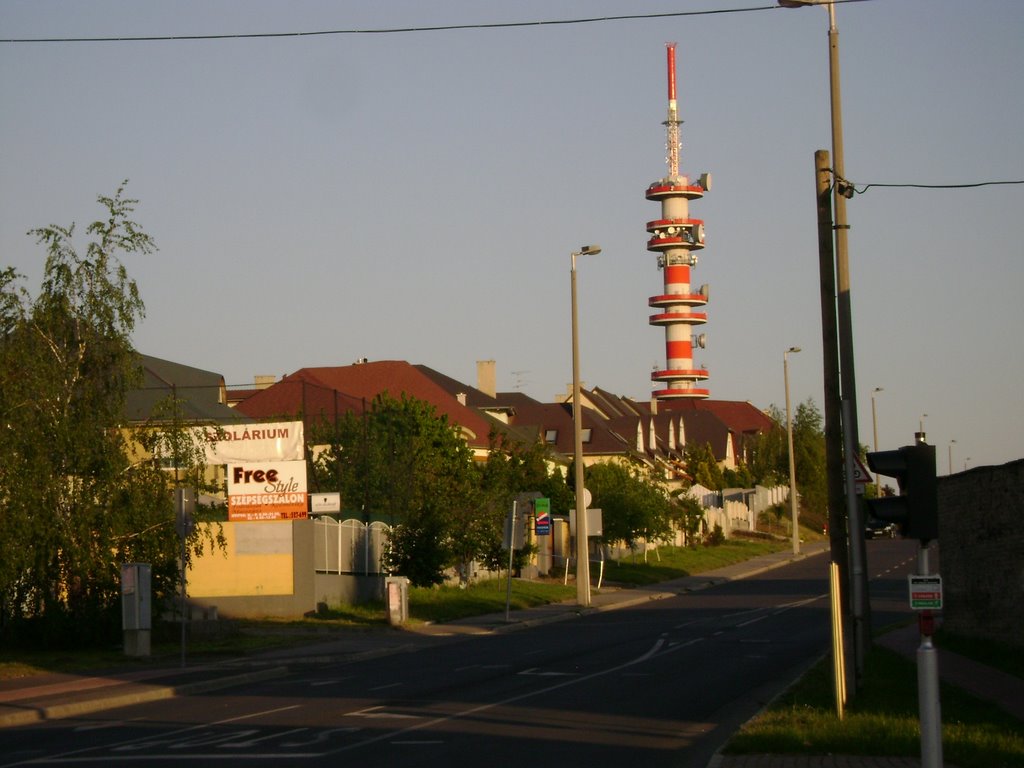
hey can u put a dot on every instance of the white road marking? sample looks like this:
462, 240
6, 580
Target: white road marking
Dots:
378, 712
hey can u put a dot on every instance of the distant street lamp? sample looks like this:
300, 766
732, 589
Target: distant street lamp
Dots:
874, 416
951, 456
874, 428
582, 548
792, 460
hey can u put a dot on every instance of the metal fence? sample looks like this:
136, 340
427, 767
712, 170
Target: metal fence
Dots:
349, 546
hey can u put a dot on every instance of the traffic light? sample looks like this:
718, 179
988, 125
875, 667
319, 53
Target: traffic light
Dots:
916, 509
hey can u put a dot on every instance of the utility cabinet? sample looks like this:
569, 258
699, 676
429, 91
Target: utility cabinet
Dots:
396, 599
136, 608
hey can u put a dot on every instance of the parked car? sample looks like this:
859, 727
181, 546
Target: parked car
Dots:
879, 529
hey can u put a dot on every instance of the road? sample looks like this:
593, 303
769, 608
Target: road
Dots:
663, 684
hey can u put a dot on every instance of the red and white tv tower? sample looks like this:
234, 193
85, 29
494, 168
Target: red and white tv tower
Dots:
676, 238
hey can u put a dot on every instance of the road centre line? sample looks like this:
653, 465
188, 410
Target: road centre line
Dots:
379, 713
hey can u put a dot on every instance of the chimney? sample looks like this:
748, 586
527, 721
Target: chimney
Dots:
262, 382
486, 379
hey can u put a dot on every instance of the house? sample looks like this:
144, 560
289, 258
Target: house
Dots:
744, 421
201, 395
321, 394
659, 434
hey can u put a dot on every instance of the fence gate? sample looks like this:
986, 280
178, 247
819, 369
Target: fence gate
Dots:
348, 546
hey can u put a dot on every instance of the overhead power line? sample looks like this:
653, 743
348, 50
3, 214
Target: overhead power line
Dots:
401, 30
972, 185
849, 188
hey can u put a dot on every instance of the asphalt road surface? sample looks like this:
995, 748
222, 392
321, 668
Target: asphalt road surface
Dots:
663, 684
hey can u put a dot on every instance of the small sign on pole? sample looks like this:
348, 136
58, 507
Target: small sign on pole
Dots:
324, 503
861, 476
925, 593
542, 521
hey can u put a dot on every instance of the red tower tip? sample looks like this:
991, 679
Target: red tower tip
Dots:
671, 71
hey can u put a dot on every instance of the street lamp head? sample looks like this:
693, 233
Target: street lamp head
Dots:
590, 250
878, 389
793, 349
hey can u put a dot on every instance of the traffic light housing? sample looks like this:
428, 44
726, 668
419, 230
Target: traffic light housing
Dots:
916, 509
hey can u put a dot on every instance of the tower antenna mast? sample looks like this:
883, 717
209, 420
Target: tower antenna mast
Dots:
672, 122
677, 238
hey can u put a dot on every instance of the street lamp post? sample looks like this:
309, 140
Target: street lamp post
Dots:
582, 548
841, 191
792, 459
951, 456
874, 429
874, 416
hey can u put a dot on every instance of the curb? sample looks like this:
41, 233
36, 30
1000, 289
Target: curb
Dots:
89, 706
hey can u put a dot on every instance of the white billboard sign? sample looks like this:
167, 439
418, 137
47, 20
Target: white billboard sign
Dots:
233, 443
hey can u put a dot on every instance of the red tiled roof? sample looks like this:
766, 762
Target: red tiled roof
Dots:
739, 415
335, 390
557, 417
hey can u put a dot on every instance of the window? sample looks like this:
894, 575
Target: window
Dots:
551, 436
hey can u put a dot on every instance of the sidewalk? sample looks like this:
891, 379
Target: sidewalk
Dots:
54, 696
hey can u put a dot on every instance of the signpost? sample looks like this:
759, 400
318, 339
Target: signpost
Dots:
542, 519
184, 522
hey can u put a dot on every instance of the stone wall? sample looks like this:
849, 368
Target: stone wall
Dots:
981, 545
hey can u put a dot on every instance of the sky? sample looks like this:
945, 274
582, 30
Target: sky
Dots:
416, 195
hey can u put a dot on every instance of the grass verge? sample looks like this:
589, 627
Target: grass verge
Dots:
881, 720
669, 563
441, 604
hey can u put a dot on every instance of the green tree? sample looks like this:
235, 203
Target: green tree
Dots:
402, 463
633, 506
687, 514
740, 477
73, 503
769, 462
703, 467
809, 457
512, 468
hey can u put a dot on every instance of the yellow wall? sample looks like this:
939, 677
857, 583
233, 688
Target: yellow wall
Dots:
258, 561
